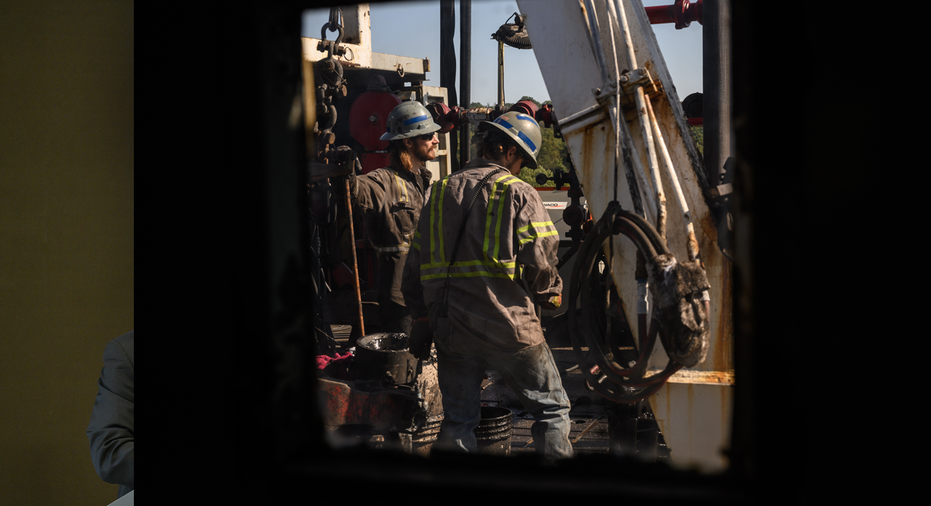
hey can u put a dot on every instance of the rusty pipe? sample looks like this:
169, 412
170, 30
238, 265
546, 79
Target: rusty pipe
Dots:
674, 177
682, 13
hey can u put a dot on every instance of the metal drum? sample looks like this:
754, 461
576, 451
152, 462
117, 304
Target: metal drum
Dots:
384, 357
493, 434
422, 440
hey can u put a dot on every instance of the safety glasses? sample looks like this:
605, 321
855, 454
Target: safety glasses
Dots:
427, 137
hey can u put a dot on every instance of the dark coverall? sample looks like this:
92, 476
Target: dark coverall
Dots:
391, 200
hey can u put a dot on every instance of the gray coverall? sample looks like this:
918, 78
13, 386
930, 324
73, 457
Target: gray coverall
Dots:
491, 318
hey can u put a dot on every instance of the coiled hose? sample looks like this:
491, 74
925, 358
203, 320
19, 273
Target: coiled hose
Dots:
626, 384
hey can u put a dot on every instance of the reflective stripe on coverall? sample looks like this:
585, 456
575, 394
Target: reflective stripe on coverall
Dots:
508, 235
391, 201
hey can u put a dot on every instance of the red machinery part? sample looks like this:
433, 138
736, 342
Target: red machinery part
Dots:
368, 118
682, 13
450, 118
525, 106
446, 118
543, 114
344, 403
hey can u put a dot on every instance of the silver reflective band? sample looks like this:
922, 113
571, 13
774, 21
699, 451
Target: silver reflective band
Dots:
391, 249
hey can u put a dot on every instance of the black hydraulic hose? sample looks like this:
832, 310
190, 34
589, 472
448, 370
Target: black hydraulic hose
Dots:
594, 337
514, 36
659, 244
625, 380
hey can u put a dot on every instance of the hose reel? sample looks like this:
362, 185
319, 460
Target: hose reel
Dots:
513, 34
680, 317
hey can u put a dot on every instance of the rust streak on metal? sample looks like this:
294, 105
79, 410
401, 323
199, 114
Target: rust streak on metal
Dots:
725, 416
709, 232
692, 243
690, 403
587, 153
702, 377
723, 328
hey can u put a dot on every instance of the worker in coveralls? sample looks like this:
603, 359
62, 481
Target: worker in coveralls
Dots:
482, 308
391, 199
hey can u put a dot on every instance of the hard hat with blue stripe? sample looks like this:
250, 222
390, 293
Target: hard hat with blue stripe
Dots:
523, 129
409, 119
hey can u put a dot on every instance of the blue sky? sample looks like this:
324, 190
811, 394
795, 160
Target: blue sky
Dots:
413, 29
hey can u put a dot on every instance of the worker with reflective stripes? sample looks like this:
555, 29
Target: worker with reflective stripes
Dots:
391, 199
482, 307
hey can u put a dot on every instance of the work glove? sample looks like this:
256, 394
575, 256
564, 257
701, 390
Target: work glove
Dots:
550, 302
421, 338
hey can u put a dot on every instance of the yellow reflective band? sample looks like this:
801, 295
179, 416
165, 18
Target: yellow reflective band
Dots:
484, 274
486, 268
544, 234
497, 193
401, 187
536, 224
534, 231
471, 263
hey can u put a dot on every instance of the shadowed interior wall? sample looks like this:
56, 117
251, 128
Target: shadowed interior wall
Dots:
66, 236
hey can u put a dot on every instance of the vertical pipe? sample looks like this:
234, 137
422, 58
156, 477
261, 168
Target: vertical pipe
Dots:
448, 70
465, 78
716, 86
501, 74
692, 245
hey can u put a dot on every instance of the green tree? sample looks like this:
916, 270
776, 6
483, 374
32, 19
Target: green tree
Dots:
698, 133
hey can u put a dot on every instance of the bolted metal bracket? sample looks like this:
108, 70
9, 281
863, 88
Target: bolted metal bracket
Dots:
630, 80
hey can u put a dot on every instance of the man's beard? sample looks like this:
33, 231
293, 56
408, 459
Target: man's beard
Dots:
423, 154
